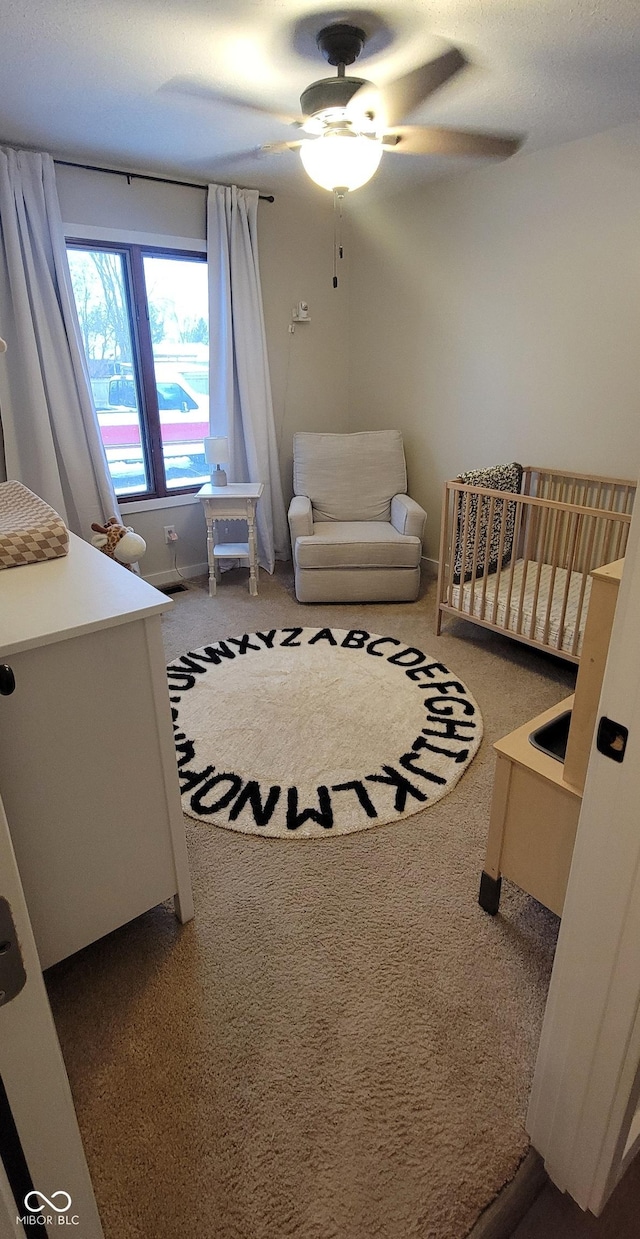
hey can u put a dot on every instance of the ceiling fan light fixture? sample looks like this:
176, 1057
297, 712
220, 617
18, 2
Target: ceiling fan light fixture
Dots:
341, 159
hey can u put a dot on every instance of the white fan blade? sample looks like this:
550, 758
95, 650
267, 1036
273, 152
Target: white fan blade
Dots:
277, 148
198, 89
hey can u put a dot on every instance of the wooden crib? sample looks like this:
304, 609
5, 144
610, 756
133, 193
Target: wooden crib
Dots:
519, 563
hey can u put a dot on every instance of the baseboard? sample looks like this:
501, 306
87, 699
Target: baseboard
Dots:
503, 1216
172, 574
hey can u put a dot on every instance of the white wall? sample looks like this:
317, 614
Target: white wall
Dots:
496, 316
309, 369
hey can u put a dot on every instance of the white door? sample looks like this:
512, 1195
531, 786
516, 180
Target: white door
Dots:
42, 1157
583, 1115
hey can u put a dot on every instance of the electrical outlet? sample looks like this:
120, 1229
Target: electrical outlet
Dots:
170, 534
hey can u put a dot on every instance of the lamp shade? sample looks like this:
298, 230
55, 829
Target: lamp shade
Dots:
341, 159
216, 451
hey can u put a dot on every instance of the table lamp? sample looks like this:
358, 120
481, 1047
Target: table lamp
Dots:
216, 450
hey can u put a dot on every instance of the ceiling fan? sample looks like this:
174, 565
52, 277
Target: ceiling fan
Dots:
349, 122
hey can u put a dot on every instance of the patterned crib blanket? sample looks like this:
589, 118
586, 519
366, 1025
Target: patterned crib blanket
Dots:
499, 477
30, 530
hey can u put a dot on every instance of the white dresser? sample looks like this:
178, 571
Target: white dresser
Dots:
88, 773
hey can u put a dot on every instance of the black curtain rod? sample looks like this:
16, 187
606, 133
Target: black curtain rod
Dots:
142, 176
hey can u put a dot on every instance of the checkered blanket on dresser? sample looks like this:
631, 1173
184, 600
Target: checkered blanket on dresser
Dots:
29, 529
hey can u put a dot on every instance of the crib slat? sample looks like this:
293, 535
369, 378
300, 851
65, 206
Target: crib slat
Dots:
503, 530
507, 610
575, 542
452, 540
534, 608
585, 576
474, 559
617, 554
607, 553
444, 559
558, 521
483, 600
531, 552
463, 561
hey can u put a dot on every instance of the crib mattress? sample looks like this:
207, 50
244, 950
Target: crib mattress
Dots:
524, 579
30, 530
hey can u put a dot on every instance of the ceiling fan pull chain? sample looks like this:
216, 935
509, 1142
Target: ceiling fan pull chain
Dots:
338, 249
335, 239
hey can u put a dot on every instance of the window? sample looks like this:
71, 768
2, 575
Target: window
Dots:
144, 322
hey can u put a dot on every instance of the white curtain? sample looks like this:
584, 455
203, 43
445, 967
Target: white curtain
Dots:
51, 436
240, 389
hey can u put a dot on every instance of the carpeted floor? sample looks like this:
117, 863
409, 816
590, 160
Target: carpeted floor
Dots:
340, 1046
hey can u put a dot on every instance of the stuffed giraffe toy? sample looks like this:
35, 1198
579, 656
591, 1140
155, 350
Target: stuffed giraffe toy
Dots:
119, 542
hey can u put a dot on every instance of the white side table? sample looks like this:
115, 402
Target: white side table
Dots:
235, 502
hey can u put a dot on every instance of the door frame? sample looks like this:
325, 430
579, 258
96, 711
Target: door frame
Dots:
37, 1086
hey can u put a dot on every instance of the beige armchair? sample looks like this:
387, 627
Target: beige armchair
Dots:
356, 536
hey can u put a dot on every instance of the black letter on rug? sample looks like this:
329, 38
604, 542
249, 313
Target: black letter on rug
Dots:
451, 701
196, 800
420, 744
180, 681
403, 787
190, 778
186, 748
190, 662
406, 761
262, 813
402, 654
356, 639
244, 643
295, 632
443, 685
215, 653
361, 792
371, 649
323, 816
325, 634
448, 727
429, 671
267, 637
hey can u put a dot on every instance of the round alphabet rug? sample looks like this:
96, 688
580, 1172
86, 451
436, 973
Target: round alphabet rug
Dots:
313, 732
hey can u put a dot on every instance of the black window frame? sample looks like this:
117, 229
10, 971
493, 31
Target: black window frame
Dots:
143, 361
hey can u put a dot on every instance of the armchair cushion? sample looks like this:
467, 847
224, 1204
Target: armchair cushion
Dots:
407, 516
356, 544
300, 518
350, 477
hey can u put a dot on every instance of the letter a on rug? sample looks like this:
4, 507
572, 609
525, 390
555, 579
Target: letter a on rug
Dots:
314, 732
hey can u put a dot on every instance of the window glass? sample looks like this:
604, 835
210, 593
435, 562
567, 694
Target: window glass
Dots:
177, 299
173, 396
198, 380
99, 279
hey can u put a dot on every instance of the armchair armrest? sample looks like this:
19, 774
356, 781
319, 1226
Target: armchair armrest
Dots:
407, 516
300, 518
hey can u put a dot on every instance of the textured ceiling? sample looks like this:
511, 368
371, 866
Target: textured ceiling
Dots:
97, 80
